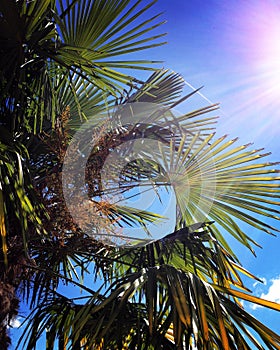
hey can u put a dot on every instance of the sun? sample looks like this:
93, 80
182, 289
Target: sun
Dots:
268, 46
250, 41
264, 35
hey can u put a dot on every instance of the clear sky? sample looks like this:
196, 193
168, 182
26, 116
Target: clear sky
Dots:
232, 48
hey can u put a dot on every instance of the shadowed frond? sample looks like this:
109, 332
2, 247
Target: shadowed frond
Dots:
39, 44
161, 306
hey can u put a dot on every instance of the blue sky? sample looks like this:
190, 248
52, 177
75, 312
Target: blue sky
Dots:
232, 48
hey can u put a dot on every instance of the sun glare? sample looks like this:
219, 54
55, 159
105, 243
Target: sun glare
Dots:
257, 31
251, 40
268, 47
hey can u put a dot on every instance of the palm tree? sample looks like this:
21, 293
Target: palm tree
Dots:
181, 291
53, 54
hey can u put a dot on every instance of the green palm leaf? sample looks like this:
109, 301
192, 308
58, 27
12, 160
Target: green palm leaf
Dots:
213, 179
178, 308
38, 37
